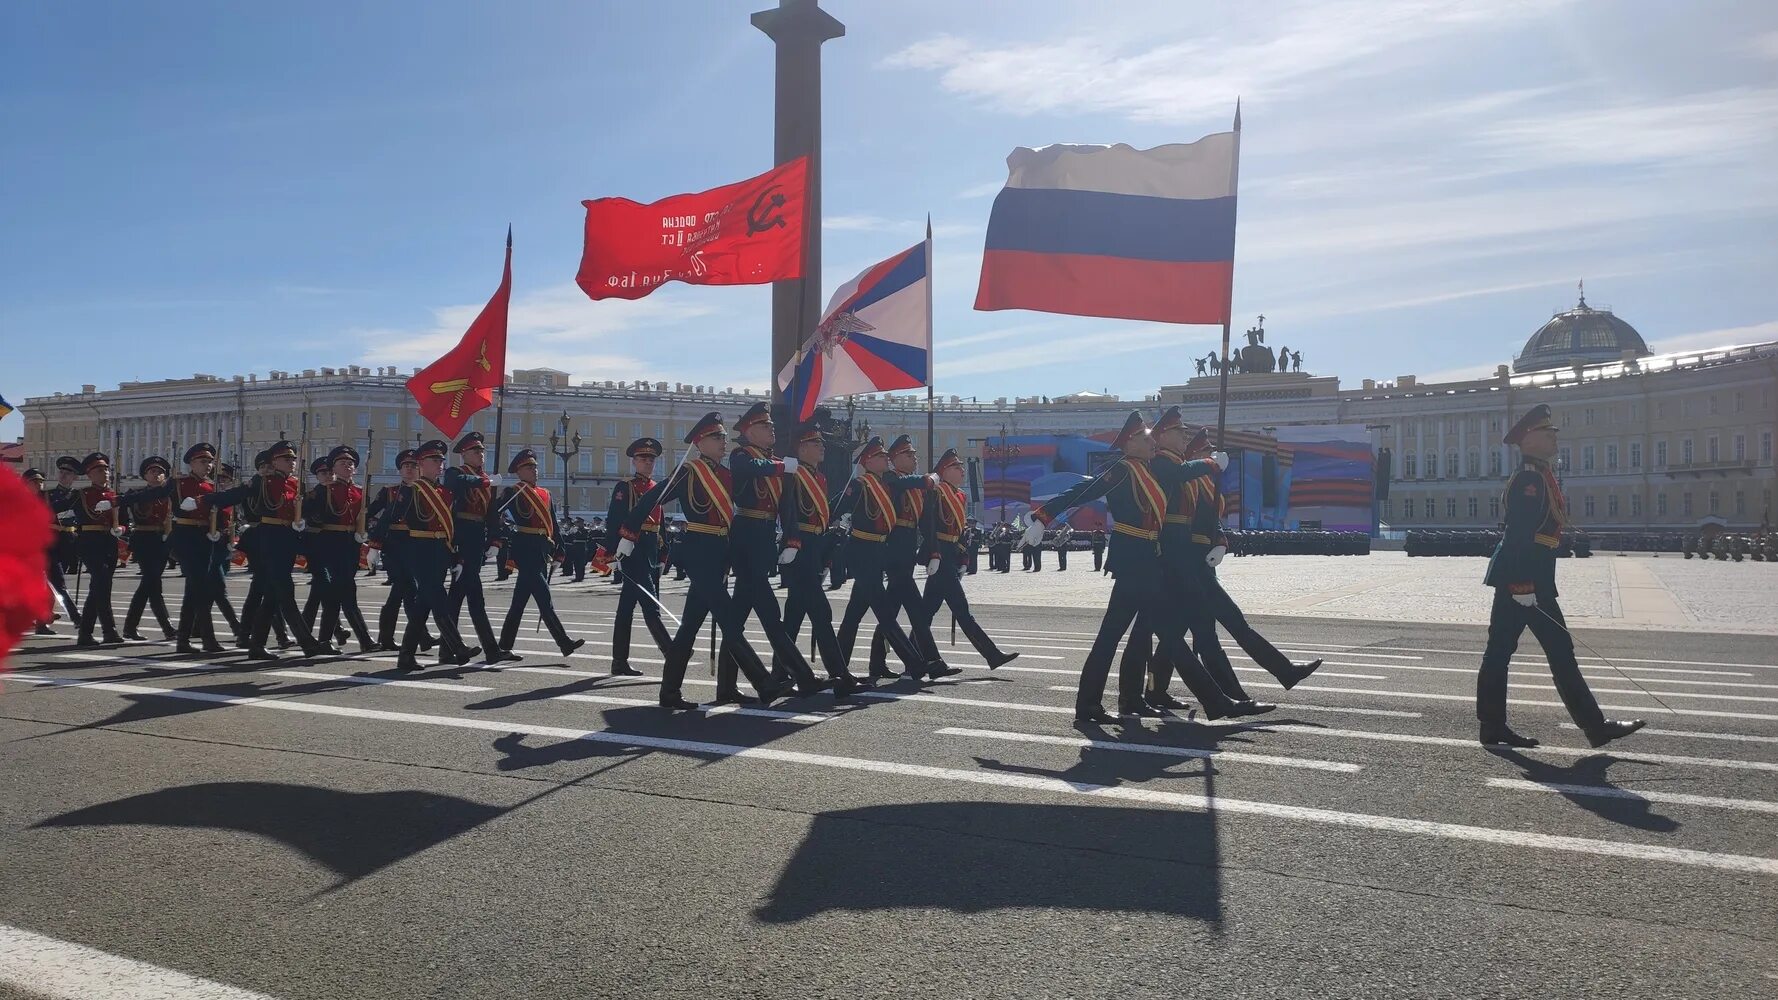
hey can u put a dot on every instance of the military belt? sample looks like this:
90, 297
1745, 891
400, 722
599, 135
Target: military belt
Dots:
762, 515
706, 529
274, 520
1142, 533
869, 536
1550, 541
426, 534
946, 538
337, 527
523, 530
95, 527
904, 524
192, 522
813, 529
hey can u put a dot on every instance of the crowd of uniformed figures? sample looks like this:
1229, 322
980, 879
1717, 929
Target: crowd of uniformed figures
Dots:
748, 514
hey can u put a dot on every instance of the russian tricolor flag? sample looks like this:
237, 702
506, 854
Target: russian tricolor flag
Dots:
875, 336
1116, 231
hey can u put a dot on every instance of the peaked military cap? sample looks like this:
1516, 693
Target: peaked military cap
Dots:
343, 451
1133, 425
473, 439
282, 449
810, 432
432, 449
1535, 419
407, 457
525, 457
948, 459
644, 448
1168, 421
33, 475
154, 462
199, 450
1199, 442
757, 413
319, 465
902, 444
710, 424
67, 463
872, 449
262, 458
94, 460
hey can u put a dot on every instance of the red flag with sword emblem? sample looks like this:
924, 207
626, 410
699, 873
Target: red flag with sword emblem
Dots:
747, 233
451, 389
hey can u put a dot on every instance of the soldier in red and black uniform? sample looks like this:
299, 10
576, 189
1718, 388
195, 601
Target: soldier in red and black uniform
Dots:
150, 515
1522, 572
758, 477
97, 523
198, 528
535, 541
640, 571
338, 510
473, 509
63, 554
34, 480
389, 534
309, 546
425, 507
806, 513
912, 493
946, 519
274, 508
705, 491
866, 510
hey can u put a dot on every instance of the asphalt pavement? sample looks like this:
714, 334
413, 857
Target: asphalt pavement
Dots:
328, 828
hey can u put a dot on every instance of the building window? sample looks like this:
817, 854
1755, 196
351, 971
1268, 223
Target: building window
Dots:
636, 430
1475, 465
1388, 509
1635, 454
1611, 505
1407, 508
1685, 451
1740, 404
1494, 508
1586, 457
1660, 454
1451, 468
363, 419
1587, 416
586, 460
1740, 503
391, 421
1450, 506
1712, 449
1494, 463
1611, 457
1588, 505
389, 453
1432, 467
611, 461
1564, 459
1685, 503
1473, 511
1740, 447
1635, 505
611, 428
536, 426
1408, 464
1765, 446
1713, 406
1715, 502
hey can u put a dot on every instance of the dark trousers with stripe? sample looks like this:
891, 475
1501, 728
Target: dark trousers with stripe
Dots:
804, 598
201, 578
148, 549
945, 589
1507, 620
640, 581
338, 553
753, 551
866, 561
472, 555
98, 555
705, 558
427, 561
531, 553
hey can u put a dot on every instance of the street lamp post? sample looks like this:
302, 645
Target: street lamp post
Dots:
1006, 451
556, 441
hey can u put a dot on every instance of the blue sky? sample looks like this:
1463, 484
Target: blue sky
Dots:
226, 187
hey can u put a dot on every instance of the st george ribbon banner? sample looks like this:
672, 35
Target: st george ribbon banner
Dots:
451, 389
1116, 231
875, 336
749, 233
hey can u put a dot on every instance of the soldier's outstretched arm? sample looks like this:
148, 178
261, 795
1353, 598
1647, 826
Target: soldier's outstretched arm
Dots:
1082, 493
145, 493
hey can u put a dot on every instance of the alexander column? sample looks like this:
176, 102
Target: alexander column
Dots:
798, 27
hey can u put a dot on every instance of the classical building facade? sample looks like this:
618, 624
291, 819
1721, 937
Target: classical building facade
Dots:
1668, 442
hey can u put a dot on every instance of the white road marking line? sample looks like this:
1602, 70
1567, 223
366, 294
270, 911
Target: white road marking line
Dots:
1424, 695
1477, 653
1609, 792
1693, 734
763, 713
315, 675
1155, 748
1295, 706
43, 966
1312, 651
1065, 672
1208, 804
1545, 749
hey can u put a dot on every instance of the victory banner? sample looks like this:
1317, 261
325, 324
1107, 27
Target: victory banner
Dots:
451, 389
748, 233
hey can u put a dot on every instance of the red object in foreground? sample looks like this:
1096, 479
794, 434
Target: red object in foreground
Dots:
749, 233
451, 389
24, 560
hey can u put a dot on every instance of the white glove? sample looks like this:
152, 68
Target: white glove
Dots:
66, 515
1528, 600
932, 567
496, 480
786, 557
360, 537
845, 523
1221, 458
624, 547
117, 532
214, 536
299, 525
189, 504
789, 466
1214, 556
1033, 533
102, 506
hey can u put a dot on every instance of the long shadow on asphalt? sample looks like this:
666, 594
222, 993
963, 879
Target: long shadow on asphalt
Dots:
1636, 813
975, 857
352, 834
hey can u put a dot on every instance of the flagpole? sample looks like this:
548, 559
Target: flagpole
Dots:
500, 390
931, 454
1222, 390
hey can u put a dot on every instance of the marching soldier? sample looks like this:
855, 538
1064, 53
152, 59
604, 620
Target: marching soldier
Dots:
911, 492
758, 476
946, 521
1522, 572
197, 528
221, 545
640, 571
425, 507
1137, 498
704, 488
150, 513
307, 547
390, 534
63, 553
472, 507
339, 513
246, 495
805, 512
275, 507
867, 511
533, 545
35, 480
93, 511
1064, 538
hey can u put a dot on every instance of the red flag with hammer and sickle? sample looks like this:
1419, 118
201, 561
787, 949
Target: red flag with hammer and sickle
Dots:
748, 233
451, 389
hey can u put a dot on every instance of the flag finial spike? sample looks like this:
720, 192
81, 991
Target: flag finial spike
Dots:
509, 236
1237, 113
929, 225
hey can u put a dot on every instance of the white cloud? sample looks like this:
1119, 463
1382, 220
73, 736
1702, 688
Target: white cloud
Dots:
1149, 337
1714, 125
1755, 333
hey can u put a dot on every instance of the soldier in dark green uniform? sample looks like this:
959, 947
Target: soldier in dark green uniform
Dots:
640, 572
1522, 572
62, 554
805, 513
478, 526
150, 514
